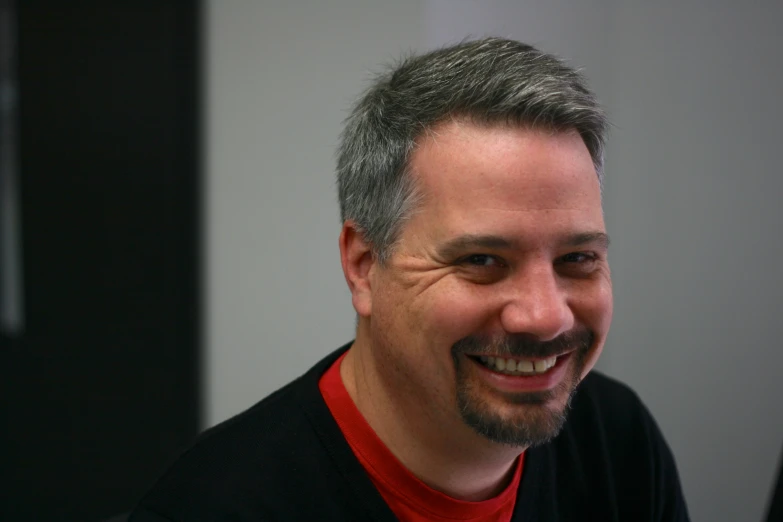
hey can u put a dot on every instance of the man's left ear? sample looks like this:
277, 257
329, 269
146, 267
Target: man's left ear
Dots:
357, 261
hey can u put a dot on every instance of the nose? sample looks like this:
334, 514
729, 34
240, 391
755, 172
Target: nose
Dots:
536, 304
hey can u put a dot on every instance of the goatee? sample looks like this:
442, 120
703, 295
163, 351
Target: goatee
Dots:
537, 416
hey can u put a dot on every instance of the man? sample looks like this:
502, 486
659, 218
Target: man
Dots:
474, 246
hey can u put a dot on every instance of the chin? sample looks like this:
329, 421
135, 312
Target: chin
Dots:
518, 418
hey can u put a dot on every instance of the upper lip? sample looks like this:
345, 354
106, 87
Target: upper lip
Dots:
506, 356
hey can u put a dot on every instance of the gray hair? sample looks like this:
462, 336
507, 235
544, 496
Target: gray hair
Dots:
490, 81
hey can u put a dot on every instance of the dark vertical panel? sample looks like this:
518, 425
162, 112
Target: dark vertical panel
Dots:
775, 512
102, 388
11, 318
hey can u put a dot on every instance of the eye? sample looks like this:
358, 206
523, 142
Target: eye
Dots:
482, 260
482, 269
578, 264
578, 257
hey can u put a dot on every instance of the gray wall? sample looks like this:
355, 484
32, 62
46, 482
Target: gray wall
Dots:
280, 76
692, 202
694, 207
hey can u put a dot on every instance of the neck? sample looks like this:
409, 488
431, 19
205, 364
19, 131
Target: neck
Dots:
444, 453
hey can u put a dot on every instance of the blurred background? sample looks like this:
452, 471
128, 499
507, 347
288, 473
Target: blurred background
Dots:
168, 222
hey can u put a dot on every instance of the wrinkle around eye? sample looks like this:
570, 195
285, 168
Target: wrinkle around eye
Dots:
419, 274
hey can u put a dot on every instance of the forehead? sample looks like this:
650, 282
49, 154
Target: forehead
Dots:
471, 175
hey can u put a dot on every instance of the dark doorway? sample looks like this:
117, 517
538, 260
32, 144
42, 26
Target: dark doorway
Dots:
100, 381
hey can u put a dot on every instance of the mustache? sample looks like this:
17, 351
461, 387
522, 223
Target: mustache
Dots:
523, 345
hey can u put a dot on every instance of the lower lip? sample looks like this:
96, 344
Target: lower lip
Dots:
538, 382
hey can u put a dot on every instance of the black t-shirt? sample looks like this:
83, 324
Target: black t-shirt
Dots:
285, 459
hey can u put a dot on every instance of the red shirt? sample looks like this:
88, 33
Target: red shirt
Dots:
409, 498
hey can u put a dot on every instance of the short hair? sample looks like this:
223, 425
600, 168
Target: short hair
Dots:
491, 81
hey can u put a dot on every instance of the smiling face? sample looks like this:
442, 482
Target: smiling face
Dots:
497, 299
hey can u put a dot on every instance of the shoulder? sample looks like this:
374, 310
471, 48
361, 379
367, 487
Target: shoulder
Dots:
611, 415
227, 465
613, 443
253, 463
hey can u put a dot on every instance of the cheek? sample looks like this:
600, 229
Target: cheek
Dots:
594, 310
412, 338
430, 322
455, 312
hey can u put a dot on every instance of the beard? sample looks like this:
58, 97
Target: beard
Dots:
536, 417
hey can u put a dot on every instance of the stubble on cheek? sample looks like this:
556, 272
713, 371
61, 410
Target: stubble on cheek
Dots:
407, 364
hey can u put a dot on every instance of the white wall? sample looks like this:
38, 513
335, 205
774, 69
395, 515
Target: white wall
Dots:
691, 201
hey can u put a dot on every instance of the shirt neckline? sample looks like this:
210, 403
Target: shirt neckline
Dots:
383, 466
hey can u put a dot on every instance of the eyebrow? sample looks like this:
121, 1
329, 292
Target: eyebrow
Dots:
460, 244
584, 238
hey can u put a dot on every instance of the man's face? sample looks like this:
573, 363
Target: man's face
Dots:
505, 258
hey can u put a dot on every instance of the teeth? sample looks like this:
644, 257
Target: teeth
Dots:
514, 367
525, 366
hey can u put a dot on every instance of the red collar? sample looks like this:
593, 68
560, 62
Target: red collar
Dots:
402, 490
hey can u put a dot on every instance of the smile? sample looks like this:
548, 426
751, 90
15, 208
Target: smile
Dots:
516, 366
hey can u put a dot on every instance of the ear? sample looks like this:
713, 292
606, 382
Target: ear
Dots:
357, 260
